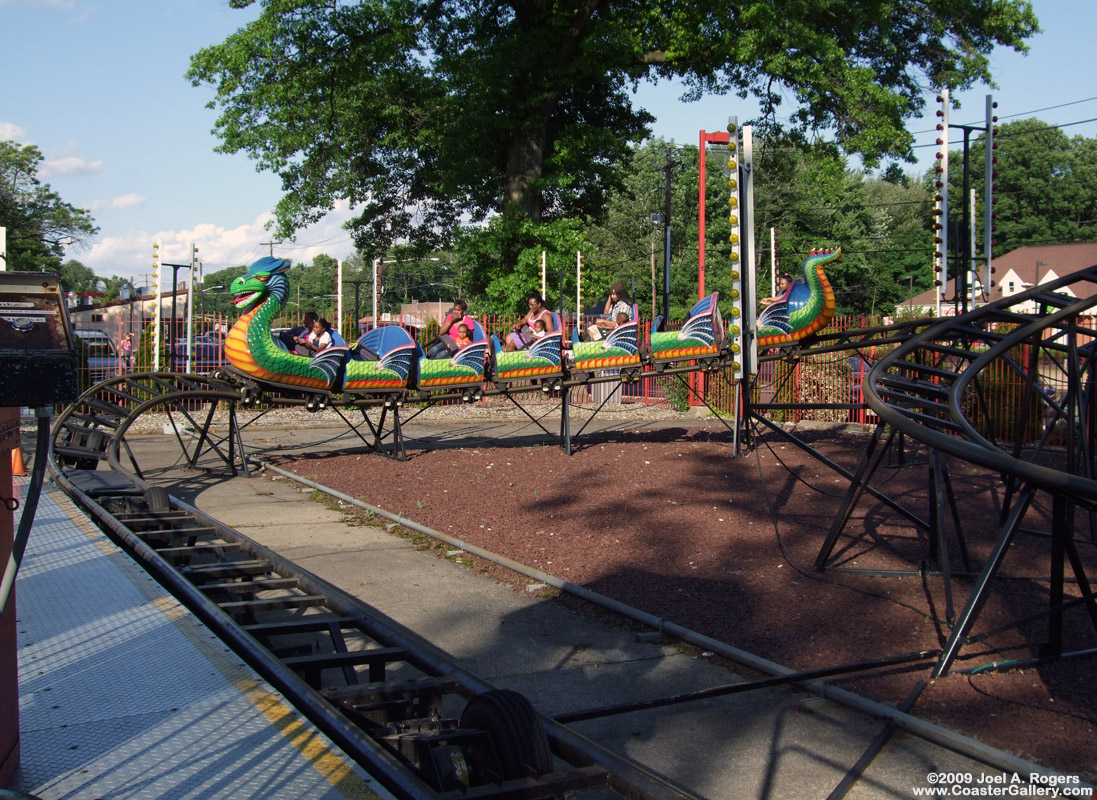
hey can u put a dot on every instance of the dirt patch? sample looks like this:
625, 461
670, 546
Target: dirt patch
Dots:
671, 523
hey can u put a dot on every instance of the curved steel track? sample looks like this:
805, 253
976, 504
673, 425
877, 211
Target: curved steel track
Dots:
936, 388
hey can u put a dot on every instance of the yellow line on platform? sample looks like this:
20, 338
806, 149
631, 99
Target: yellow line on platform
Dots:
332, 765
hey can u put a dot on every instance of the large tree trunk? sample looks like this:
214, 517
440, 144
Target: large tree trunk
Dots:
526, 153
525, 162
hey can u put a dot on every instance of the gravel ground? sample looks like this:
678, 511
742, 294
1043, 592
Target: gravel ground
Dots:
457, 413
669, 522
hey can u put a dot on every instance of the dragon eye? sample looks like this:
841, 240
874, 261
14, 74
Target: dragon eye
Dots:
263, 278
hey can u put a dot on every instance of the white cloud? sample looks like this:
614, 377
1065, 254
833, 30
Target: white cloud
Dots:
67, 160
10, 132
130, 255
121, 201
69, 165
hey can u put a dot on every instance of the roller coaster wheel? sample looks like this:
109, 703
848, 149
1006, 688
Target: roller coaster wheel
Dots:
520, 742
313, 404
97, 441
248, 397
157, 499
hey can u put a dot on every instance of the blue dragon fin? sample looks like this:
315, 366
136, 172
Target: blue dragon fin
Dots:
700, 327
330, 361
623, 337
547, 347
471, 356
398, 360
775, 316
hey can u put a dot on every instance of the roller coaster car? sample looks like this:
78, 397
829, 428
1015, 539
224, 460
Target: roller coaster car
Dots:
541, 361
620, 349
383, 361
701, 338
804, 309
464, 371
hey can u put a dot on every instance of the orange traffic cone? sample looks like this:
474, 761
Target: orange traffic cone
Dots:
17, 465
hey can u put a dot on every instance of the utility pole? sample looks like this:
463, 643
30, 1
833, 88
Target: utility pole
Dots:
357, 308
666, 240
653, 278
272, 244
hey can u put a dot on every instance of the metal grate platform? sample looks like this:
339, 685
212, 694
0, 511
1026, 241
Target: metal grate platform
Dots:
124, 694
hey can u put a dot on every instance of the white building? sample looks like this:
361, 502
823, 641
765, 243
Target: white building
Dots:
1017, 271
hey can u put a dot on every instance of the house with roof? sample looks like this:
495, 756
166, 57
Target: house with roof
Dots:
1015, 272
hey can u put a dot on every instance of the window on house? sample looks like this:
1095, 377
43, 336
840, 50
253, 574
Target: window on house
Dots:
98, 318
1011, 289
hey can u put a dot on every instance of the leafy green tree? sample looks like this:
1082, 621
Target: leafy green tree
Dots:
212, 300
312, 286
808, 194
516, 246
900, 241
40, 225
75, 277
1046, 185
420, 113
629, 239
407, 275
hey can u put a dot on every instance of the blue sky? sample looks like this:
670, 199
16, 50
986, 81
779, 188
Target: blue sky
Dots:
100, 90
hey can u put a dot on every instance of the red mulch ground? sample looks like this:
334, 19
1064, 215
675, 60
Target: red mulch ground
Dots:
671, 523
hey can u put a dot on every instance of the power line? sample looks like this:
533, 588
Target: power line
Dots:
1049, 108
1011, 134
1020, 114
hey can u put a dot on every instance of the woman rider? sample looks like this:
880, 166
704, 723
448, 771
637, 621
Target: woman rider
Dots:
617, 302
447, 331
537, 310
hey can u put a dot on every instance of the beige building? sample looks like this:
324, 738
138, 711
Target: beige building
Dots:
1017, 271
118, 317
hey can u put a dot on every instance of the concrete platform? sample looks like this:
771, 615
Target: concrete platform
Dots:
124, 694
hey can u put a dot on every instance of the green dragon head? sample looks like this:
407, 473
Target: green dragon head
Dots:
266, 277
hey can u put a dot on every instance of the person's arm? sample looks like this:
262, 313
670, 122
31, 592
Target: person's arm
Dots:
550, 321
609, 302
609, 321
